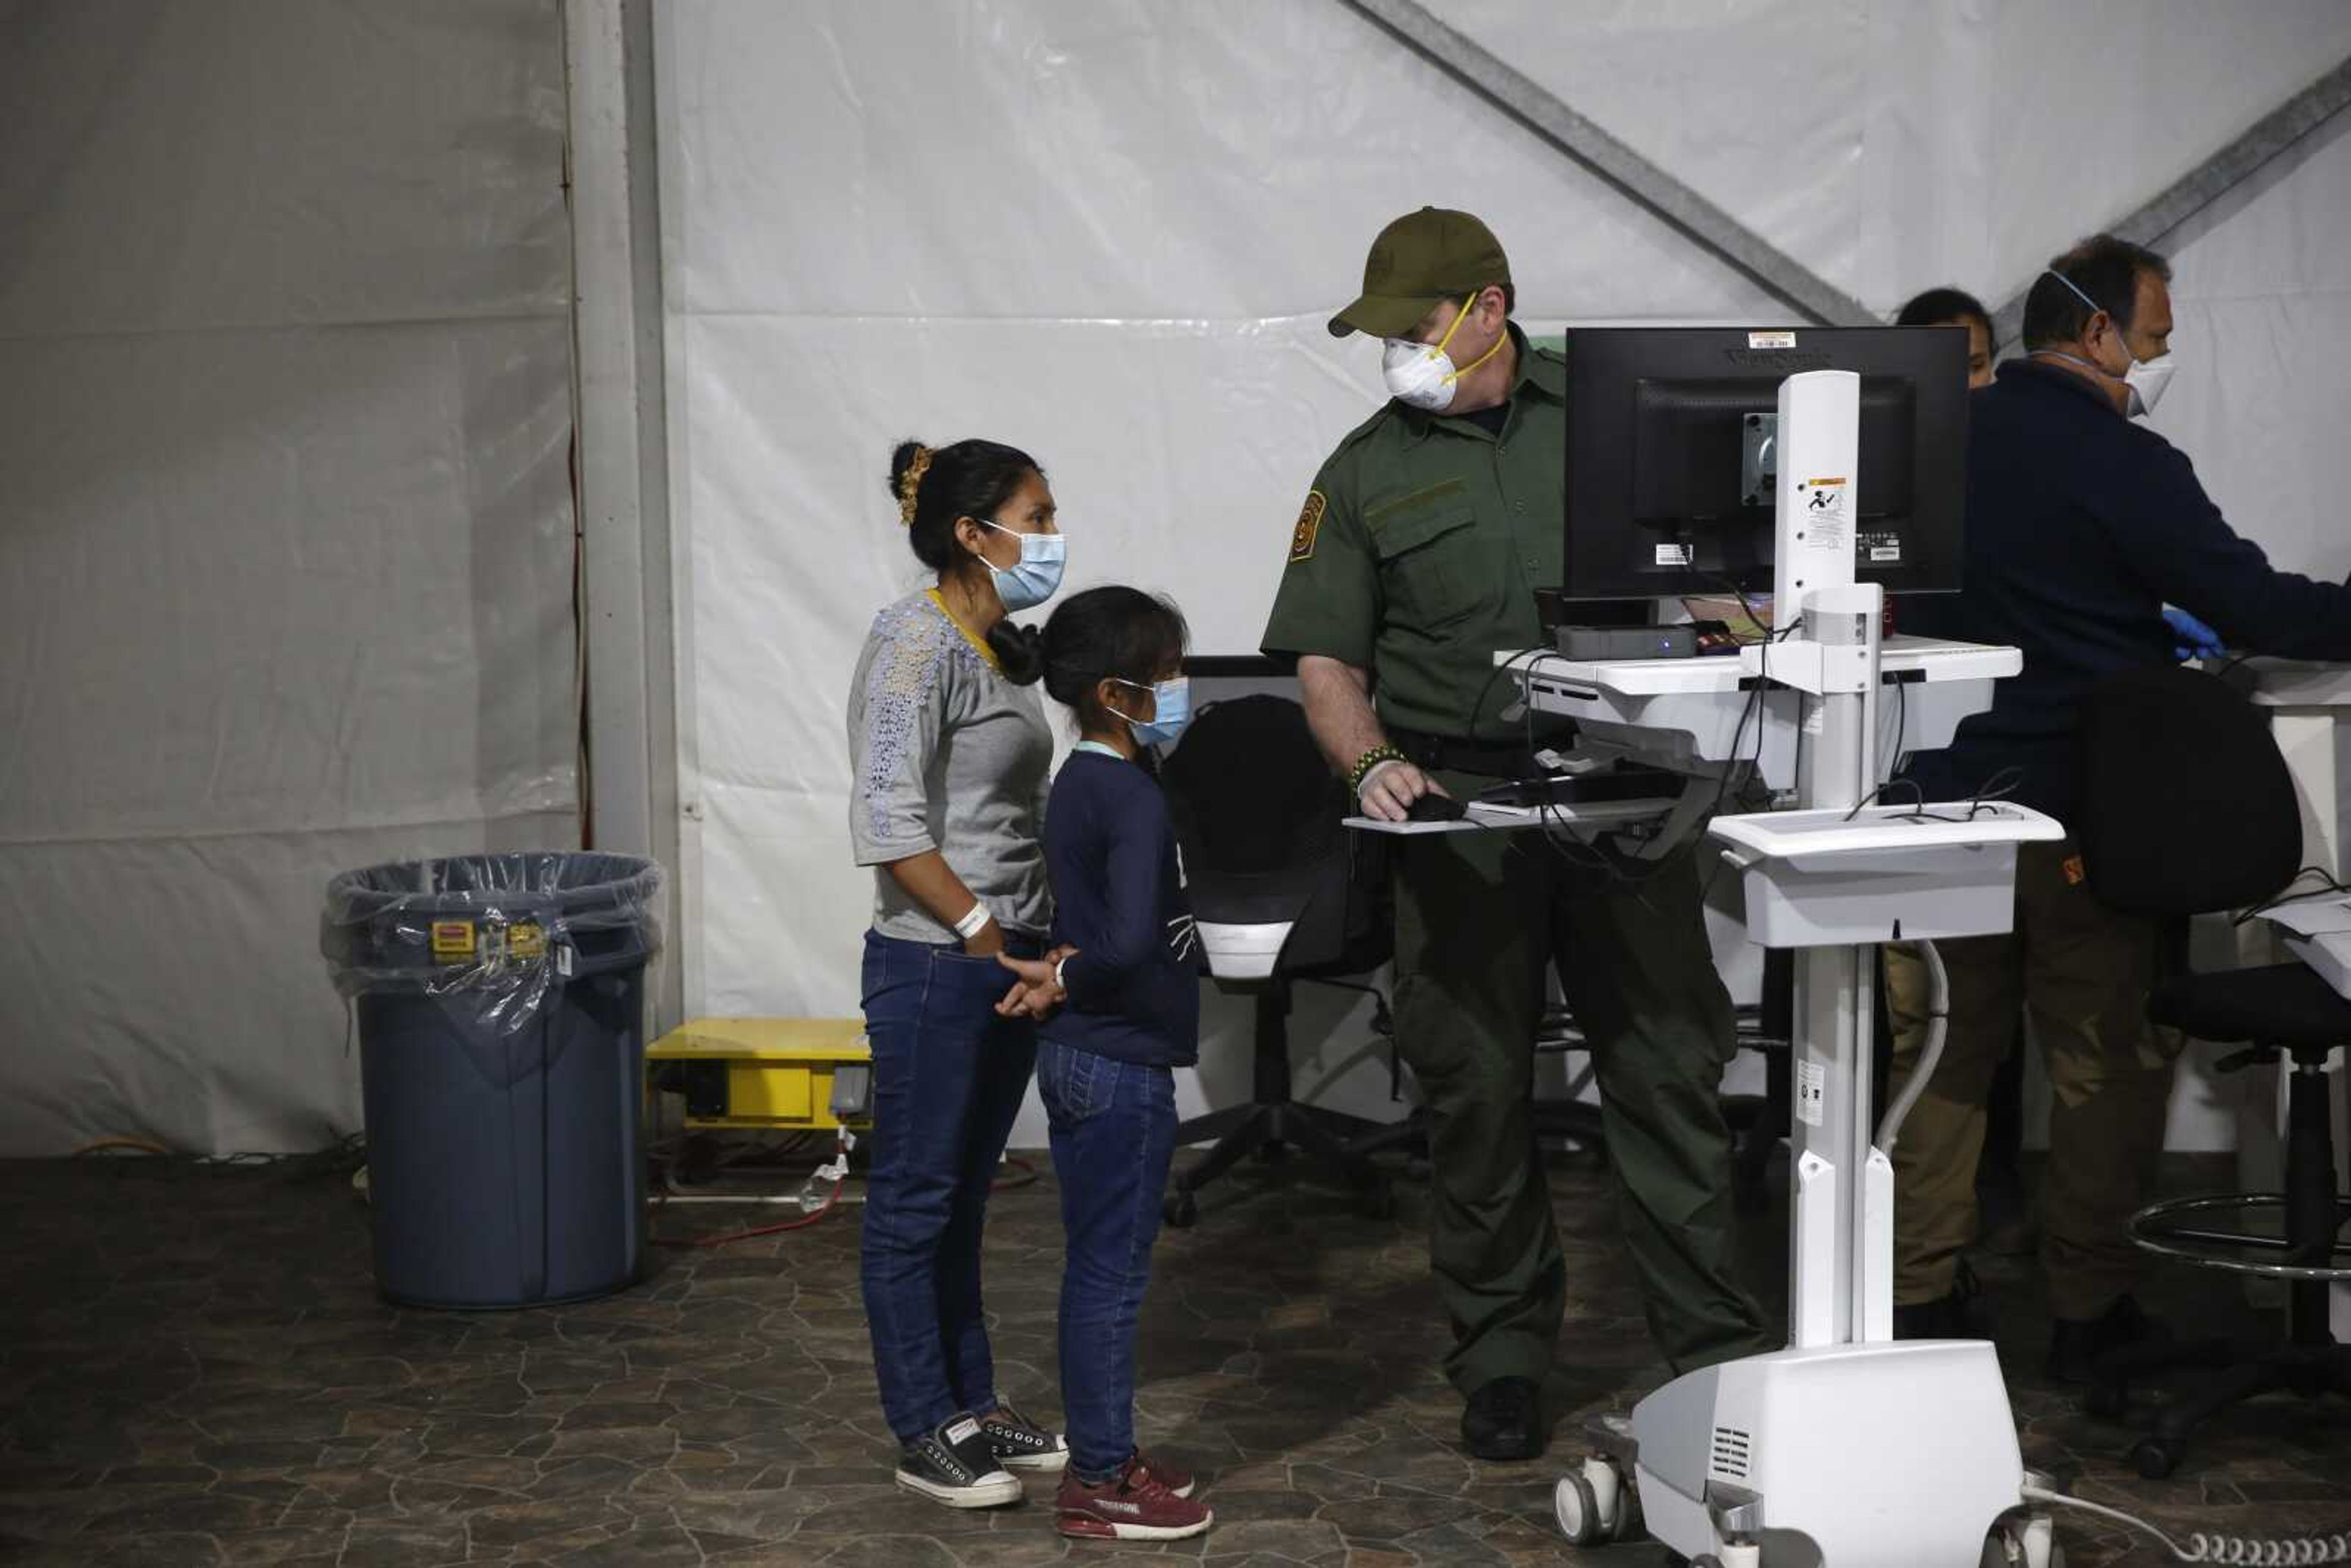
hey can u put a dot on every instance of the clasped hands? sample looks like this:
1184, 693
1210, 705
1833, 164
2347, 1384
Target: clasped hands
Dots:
1035, 993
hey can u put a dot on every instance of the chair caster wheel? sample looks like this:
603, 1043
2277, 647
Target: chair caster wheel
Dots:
2107, 1401
1181, 1210
2157, 1457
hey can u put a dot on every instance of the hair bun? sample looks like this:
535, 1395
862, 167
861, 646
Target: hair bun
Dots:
911, 461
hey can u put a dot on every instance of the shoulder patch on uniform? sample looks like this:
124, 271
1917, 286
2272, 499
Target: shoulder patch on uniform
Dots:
1309, 523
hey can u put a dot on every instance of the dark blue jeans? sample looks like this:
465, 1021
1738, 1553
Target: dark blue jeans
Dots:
1113, 1128
948, 1078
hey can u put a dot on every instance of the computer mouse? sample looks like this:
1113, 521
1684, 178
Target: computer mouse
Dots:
1436, 808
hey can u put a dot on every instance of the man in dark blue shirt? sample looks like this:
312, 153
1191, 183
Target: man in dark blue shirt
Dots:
2082, 525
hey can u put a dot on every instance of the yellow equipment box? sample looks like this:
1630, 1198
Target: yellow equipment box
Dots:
791, 1073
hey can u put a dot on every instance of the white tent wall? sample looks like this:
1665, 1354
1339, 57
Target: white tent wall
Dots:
1109, 231
286, 547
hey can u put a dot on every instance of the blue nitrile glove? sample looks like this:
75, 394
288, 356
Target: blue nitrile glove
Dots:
2196, 640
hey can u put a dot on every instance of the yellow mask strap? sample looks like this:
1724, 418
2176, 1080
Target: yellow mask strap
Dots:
1438, 347
1458, 317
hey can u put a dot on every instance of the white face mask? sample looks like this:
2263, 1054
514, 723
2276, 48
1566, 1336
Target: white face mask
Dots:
2147, 379
1423, 377
2143, 378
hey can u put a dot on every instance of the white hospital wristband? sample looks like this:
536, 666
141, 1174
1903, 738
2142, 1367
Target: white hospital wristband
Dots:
973, 924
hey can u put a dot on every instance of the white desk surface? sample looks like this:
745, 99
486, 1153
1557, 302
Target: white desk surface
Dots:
2292, 682
1936, 660
2329, 953
2317, 930
1819, 837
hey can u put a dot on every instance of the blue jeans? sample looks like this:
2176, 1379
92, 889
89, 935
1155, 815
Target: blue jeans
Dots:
1113, 1128
948, 1078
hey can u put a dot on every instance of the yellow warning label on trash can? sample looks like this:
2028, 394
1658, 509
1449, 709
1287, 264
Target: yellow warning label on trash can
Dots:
526, 939
452, 941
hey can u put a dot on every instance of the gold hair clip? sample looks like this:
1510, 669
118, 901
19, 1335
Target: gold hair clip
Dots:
910, 484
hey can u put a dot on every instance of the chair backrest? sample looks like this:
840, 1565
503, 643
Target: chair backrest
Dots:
1258, 813
1250, 789
2185, 804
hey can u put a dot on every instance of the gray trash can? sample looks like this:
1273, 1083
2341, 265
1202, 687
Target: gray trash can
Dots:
500, 1003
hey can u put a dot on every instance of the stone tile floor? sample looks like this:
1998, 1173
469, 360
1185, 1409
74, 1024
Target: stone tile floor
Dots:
194, 1370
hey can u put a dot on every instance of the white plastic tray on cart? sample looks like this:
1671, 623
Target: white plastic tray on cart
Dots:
1834, 877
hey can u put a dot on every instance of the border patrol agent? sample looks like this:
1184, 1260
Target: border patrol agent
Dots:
1415, 559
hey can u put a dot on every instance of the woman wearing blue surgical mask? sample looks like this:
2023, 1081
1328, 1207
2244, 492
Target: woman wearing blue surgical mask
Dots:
948, 754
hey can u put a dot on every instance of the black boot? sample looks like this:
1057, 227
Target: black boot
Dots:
2079, 1345
1504, 1420
1958, 1315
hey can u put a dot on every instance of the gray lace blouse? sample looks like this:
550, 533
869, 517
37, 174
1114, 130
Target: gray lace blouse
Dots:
947, 754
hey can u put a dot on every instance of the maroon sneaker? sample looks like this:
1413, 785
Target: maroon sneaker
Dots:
1137, 1504
1179, 1481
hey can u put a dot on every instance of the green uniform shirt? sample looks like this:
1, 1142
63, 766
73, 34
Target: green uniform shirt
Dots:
1420, 548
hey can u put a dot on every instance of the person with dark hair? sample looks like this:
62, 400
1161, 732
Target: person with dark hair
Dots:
1956, 308
1125, 976
2000, 1179
2082, 525
948, 754
1415, 560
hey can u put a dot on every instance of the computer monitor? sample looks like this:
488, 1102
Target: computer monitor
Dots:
1670, 454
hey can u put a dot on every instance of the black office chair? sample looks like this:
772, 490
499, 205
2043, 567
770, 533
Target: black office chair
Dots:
1282, 893
2188, 809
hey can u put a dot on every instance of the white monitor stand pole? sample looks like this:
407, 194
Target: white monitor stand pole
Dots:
1845, 1450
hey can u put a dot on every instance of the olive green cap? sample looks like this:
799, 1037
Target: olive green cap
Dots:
1417, 261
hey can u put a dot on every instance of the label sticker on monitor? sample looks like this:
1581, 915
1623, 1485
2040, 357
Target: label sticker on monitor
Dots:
1673, 555
1770, 340
1891, 552
1812, 1092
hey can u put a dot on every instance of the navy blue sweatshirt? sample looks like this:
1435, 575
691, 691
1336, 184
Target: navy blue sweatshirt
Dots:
1118, 897
2080, 526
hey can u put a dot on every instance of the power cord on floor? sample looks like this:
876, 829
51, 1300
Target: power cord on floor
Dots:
834, 1174
2211, 1547
338, 1158
831, 1198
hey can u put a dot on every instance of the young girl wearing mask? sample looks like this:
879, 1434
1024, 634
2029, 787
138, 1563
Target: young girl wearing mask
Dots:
1124, 979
